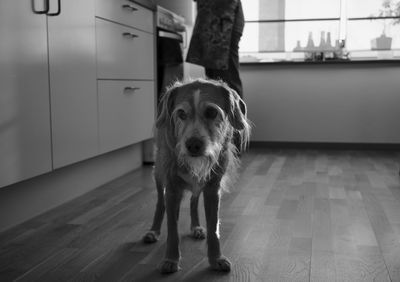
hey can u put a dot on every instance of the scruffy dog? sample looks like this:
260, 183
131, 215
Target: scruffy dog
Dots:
195, 133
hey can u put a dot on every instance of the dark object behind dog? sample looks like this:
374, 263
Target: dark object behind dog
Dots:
195, 133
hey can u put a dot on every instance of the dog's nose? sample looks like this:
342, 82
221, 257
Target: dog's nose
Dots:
195, 146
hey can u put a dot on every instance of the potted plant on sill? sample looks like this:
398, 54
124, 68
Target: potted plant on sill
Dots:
390, 8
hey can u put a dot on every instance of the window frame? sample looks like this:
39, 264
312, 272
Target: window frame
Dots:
343, 20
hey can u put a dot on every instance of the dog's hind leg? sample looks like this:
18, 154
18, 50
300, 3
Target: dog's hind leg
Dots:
197, 231
153, 234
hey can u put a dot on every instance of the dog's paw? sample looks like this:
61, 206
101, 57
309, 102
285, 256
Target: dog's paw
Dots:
198, 232
168, 266
151, 237
220, 264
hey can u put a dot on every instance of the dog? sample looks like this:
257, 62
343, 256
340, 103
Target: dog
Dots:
195, 150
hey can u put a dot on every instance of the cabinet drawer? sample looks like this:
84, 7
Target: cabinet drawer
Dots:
126, 12
123, 53
126, 113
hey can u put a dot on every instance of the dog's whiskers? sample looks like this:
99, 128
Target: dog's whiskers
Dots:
201, 168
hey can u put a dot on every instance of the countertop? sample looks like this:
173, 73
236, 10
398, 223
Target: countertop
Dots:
150, 4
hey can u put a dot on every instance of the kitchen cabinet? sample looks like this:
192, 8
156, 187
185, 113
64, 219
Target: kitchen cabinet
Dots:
73, 90
48, 101
125, 41
124, 112
25, 140
55, 56
126, 12
123, 52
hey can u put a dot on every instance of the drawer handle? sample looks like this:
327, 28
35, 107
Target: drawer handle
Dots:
129, 35
58, 12
45, 8
129, 7
129, 89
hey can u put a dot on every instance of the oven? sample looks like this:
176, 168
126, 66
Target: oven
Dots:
170, 44
171, 39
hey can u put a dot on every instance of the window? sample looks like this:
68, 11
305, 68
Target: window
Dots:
301, 30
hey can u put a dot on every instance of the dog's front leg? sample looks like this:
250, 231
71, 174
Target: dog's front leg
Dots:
173, 198
211, 205
153, 234
198, 231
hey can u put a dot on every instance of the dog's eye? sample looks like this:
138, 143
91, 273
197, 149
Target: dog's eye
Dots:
210, 113
181, 114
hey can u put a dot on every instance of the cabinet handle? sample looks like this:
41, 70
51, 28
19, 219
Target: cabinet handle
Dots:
129, 7
58, 9
129, 89
129, 35
46, 7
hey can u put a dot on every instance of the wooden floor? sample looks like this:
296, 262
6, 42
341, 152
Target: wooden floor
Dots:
294, 215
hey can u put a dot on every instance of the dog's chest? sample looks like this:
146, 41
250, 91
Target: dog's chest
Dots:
192, 183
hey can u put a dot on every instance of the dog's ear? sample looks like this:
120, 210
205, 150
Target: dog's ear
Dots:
165, 108
164, 122
237, 115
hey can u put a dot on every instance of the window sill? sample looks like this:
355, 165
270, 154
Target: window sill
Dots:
326, 62
321, 57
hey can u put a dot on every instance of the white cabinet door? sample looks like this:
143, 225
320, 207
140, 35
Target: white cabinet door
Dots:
126, 112
72, 60
127, 13
25, 142
123, 52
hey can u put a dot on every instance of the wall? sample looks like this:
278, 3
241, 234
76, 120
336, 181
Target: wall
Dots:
350, 103
24, 200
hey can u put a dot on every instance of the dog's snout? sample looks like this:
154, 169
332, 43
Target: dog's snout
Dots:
195, 146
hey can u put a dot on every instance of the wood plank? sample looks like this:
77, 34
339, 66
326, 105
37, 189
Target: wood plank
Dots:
40, 272
386, 236
361, 229
322, 255
15, 260
293, 215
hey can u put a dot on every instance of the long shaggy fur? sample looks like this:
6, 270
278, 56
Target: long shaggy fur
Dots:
197, 131
169, 158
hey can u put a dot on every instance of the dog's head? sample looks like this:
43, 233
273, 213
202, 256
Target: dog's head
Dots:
198, 120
